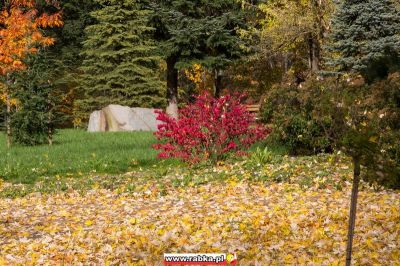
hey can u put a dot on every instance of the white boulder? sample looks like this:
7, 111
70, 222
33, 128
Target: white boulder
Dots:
116, 118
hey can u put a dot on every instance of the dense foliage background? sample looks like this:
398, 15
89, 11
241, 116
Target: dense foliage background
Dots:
324, 72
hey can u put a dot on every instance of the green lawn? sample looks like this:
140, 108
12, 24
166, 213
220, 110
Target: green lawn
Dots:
76, 152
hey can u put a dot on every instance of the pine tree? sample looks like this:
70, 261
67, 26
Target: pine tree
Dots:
366, 37
120, 66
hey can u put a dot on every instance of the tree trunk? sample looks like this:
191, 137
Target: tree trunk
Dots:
217, 83
286, 62
353, 209
50, 121
314, 53
8, 120
50, 136
172, 87
8, 113
319, 34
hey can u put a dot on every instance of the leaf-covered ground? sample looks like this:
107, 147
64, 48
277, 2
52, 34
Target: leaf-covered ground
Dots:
291, 212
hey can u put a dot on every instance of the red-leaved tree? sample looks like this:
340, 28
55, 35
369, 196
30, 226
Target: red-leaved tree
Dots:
208, 129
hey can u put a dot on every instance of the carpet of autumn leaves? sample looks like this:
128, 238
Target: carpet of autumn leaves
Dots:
265, 223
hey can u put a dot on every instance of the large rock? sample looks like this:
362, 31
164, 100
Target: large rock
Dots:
116, 118
97, 122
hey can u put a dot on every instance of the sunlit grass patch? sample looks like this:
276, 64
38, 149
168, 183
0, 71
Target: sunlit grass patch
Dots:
76, 152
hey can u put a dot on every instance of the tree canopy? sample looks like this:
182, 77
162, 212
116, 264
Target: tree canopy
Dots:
120, 65
366, 37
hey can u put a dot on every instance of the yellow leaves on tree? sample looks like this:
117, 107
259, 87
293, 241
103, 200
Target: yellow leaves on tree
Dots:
200, 76
195, 74
20, 33
3, 96
297, 27
287, 22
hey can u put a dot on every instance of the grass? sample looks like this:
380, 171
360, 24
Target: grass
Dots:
76, 152
78, 157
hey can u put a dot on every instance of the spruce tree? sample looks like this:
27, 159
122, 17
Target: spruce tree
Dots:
120, 66
366, 37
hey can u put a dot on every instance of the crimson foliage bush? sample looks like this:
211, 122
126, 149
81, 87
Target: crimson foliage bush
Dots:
208, 129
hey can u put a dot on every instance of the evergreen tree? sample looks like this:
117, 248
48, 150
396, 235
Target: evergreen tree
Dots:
37, 112
178, 34
222, 41
66, 53
366, 35
205, 32
119, 65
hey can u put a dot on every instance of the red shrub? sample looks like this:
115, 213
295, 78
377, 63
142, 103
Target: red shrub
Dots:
208, 129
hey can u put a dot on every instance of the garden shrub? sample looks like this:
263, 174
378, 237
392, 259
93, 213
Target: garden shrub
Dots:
363, 120
366, 120
208, 129
290, 109
383, 105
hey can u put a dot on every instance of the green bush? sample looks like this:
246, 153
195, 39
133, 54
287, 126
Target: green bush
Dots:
384, 113
31, 123
290, 110
341, 113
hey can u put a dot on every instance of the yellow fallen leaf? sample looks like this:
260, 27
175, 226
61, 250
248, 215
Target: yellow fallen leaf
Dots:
242, 226
289, 259
369, 244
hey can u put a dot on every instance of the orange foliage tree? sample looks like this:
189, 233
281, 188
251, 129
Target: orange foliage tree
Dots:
21, 34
